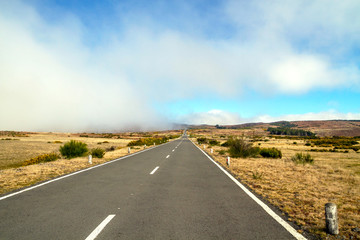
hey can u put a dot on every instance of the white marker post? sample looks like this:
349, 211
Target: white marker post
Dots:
204, 146
90, 159
228, 161
128, 150
211, 151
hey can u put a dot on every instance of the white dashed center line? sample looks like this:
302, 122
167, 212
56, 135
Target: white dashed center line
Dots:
99, 228
153, 171
167, 156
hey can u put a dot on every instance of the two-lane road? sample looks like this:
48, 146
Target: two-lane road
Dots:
172, 191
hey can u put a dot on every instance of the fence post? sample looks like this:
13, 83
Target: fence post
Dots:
331, 218
90, 159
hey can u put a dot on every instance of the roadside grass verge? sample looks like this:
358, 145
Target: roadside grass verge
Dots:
16, 174
301, 191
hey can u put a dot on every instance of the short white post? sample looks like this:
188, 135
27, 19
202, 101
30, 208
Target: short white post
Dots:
204, 146
228, 161
211, 150
154, 143
128, 150
145, 146
331, 218
90, 159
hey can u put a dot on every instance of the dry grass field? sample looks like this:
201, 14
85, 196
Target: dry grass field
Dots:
16, 148
300, 191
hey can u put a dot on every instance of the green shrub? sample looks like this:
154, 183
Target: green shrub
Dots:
97, 152
42, 158
73, 149
202, 140
270, 153
221, 152
302, 158
148, 141
213, 142
241, 148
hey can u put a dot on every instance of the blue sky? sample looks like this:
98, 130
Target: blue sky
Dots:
112, 65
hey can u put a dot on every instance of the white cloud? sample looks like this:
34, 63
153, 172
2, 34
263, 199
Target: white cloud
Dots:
51, 80
212, 117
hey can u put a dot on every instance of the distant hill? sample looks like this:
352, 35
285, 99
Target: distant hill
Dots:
347, 128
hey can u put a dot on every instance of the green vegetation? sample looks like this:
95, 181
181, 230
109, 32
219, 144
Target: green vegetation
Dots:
284, 124
202, 140
213, 142
98, 152
337, 143
301, 158
42, 158
221, 152
149, 141
241, 148
270, 153
73, 149
290, 131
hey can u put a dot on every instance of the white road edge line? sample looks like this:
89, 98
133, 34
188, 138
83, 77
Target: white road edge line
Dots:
153, 171
80, 171
99, 228
281, 221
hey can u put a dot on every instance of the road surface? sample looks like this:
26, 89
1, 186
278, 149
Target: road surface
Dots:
172, 191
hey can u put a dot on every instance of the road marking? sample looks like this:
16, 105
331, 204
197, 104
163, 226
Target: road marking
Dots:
153, 171
99, 228
167, 156
281, 221
173, 150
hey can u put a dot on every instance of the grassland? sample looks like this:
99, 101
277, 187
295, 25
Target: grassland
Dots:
300, 191
16, 148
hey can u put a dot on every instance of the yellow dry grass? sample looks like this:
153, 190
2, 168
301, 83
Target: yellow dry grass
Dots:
14, 152
301, 191
19, 149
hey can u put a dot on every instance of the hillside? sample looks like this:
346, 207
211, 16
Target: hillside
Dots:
347, 128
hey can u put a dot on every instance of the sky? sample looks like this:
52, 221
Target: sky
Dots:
116, 65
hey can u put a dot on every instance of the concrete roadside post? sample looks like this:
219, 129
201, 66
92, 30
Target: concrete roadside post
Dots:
90, 159
331, 218
128, 150
211, 151
204, 146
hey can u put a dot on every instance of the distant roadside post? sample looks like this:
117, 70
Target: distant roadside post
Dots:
228, 161
90, 159
128, 149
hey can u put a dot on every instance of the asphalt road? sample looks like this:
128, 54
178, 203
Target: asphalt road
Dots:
186, 197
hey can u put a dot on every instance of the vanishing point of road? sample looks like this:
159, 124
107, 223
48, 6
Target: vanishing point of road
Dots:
173, 191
